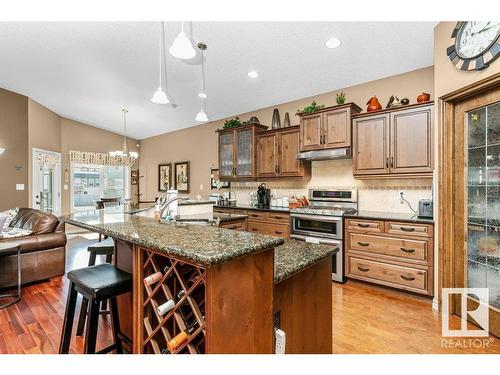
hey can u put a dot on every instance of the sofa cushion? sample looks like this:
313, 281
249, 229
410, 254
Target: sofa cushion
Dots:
36, 221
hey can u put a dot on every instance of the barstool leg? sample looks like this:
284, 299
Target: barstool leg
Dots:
83, 317
69, 315
91, 331
115, 324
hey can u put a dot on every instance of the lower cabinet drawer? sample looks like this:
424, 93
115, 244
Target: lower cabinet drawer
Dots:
238, 225
282, 218
408, 229
398, 247
260, 215
388, 274
279, 230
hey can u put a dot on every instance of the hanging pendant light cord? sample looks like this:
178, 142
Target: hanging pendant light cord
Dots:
164, 54
161, 52
125, 146
203, 72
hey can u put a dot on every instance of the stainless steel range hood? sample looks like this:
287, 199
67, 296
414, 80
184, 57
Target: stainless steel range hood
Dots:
333, 154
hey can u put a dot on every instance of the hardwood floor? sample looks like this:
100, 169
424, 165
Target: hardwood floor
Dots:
366, 318
373, 319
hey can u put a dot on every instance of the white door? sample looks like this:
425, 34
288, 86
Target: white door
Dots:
46, 181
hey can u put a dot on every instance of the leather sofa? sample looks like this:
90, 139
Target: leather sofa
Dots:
43, 253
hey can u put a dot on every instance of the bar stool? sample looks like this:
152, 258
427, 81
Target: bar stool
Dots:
6, 250
106, 247
96, 284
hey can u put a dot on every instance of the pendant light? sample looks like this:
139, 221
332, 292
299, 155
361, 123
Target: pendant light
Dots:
182, 47
124, 153
202, 115
160, 96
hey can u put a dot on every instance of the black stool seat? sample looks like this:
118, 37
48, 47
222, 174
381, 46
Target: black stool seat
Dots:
7, 249
101, 281
96, 284
106, 247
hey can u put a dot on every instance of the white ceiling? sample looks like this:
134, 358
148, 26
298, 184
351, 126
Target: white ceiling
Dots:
89, 71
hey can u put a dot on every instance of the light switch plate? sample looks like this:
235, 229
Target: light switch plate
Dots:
19, 187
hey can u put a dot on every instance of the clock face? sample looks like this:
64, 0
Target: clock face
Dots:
476, 44
475, 38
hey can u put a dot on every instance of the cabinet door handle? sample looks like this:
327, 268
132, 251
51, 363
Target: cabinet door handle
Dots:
363, 243
363, 225
404, 229
233, 227
278, 232
275, 169
254, 215
408, 278
363, 269
407, 250
392, 161
278, 168
278, 217
255, 229
387, 162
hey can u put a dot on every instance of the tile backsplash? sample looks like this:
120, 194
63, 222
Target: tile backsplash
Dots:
373, 195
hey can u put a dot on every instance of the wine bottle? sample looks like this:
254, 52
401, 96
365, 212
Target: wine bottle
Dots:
169, 305
181, 338
166, 307
153, 279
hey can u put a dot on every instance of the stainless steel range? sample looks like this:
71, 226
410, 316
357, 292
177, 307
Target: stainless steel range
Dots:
322, 222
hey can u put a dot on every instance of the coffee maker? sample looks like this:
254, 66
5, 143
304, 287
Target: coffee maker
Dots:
263, 196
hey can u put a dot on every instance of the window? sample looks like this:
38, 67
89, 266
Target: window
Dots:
90, 183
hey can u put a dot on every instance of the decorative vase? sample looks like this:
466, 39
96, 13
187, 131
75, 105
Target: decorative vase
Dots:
276, 123
405, 101
254, 120
423, 97
286, 121
373, 104
393, 102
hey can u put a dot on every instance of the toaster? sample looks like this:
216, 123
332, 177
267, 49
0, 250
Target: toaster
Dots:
425, 208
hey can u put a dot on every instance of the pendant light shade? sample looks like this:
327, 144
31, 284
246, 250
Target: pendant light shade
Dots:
160, 96
182, 47
201, 116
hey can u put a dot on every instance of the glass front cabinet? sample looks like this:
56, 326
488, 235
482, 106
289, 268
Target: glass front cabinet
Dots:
237, 152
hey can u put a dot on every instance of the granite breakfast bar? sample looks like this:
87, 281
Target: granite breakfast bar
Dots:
230, 288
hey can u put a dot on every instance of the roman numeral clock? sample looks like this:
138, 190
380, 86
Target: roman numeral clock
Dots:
476, 44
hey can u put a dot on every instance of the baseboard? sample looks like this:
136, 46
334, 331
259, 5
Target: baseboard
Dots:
435, 304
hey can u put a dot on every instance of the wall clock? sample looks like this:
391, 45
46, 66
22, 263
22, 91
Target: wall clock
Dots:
476, 45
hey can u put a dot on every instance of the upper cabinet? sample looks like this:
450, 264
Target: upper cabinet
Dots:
327, 128
394, 143
277, 154
237, 152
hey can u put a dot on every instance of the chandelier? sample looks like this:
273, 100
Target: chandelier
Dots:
124, 152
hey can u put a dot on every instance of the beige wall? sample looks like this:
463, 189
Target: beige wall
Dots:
81, 137
14, 138
199, 146
44, 132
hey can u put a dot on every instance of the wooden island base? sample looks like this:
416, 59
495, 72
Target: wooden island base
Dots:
233, 305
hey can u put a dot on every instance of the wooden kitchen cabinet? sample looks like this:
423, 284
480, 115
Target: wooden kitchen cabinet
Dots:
327, 128
394, 142
237, 152
277, 154
398, 254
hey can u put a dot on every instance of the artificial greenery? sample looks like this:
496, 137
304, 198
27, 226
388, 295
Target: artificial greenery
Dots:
311, 108
340, 98
231, 123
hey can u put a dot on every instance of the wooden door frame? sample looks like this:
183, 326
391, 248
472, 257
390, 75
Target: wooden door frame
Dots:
446, 124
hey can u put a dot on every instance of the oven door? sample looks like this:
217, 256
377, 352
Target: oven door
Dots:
337, 259
317, 226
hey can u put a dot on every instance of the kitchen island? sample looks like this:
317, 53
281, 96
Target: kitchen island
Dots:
230, 288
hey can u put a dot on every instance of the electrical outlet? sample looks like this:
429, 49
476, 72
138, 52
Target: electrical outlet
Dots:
401, 196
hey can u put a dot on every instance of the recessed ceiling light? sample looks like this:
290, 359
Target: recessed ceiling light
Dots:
253, 74
332, 43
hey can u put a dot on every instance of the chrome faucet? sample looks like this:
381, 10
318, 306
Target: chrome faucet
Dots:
165, 205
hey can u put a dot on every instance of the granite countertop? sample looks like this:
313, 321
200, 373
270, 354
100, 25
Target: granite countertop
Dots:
242, 206
200, 244
396, 216
293, 256
227, 218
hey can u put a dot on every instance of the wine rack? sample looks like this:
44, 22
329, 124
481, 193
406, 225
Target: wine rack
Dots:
184, 284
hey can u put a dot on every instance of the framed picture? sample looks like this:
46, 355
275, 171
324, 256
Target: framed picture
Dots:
164, 177
215, 183
182, 177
